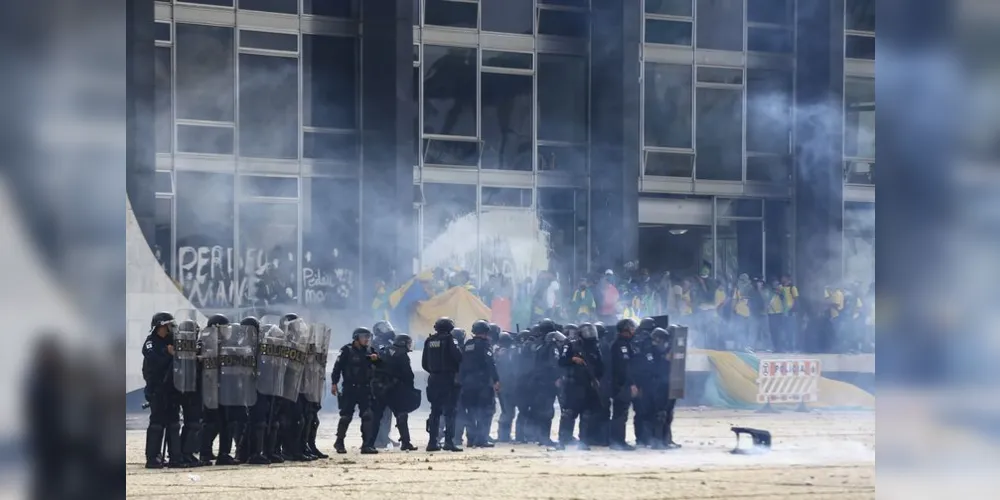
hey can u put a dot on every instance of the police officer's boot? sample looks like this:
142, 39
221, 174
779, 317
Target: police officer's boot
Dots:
226, 434
519, 436
174, 448
272, 451
449, 435
341, 434
565, 429
483, 429
242, 442
368, 436
256, 441
207, 439
433, 427
303, 438
313, 429
403, 426
191, 444
292, 441
154, 442
545, 432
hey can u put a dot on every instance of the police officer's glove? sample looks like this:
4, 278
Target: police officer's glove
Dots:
333, 389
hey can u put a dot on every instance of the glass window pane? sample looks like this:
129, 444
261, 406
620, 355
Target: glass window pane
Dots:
449, 90
555, 199
859, 117
269, 41
732, 76
860, 15
668, 32
562, 23
562, 98
859, 172
162, 31
668, 105
205, 73
773, 169
332, 8
206, 259
739, 207
269, 106
416, 115
457, 153
164, 182
569, 159
508, 16
220, 3
336, 146
670, 7
770, 11
162, 229
769, 108
329, 81
719, 134
720, 24
269, 186
269, 246
771, 40
277, 6
163, 97
859, 47
446, 204
205, 140
669, 164
416, 12
330, 243
566, 3
513, 60
451, 13
506, 124
506, 197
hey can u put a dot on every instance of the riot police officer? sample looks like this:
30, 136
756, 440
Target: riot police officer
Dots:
584, 367
157, 371
642, 360
393, 387
356, 363
623, 385
480, 382
442, 359
599, 420
662, 436
383, 335
188, 383
525, 428
208, 369
506, 363
271, 366
495, 332
546, 374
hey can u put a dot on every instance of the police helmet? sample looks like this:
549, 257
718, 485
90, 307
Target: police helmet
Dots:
251, 321
571, 330
480, 327
506, 340
459, 335
495, 331
218, 319
188, 325
554, 337
444, 325
647, 324
159, 319
546, 325
286, 319
601, 329
361, 334
523, 336
383, 330
660, 337
403, 341
625, 324
587, 331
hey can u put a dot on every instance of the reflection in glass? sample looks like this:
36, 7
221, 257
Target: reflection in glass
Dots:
668, 105
269, 106
506, 197
269, 186
219, 3
162, 32
269, 41
449, 90
335, 146
562, 23
508, 16
555, 199
772, 169
668, 32
268, 269
276, 6
206, 259
859, 47
329, 81
568, 159
669, 164
506, 121
330, 238
769, 108
770, 11
163, 229
205, 73
513, 60
205, 140
562, 98
720, 24
163, 99
859, 117
457, 153
729, 76
332, 8
719, 134
860, 15
770, 40
669, 7
452, 13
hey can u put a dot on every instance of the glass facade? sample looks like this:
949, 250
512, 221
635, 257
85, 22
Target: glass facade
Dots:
259, 155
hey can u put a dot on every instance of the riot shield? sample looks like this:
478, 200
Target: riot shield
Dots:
185, 364
297, 338
271, 360
678, 360
208, 343
237, 364
315, 377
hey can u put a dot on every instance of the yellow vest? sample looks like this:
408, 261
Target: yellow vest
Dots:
720, 297
775, 305
685, 303
836, 300
789, 294
742, 304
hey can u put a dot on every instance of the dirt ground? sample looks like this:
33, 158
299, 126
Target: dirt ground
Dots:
815, 455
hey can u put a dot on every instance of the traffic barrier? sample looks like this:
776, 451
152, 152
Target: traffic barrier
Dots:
788, 381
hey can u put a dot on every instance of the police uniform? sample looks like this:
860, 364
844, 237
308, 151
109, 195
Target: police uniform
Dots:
622, 381
441, 359
580, 387
355, 366
164, 417
478, 376
392, 384
507, 368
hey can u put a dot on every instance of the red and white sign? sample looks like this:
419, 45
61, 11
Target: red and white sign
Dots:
788, 380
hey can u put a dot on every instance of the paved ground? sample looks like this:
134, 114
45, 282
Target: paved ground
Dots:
815, 455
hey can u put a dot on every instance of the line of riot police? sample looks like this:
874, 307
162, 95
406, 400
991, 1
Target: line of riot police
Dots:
256, 385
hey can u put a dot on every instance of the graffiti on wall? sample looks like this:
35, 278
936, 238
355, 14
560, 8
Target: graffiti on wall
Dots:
209, 278
326, 280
